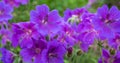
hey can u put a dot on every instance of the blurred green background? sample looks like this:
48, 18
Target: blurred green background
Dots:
22, 13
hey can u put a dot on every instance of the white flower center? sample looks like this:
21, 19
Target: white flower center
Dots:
28, 32
44, 22
74, 18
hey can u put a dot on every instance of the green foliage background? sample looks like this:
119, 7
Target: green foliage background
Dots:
22, 13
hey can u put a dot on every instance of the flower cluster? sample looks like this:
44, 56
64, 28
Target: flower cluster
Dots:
15, 3
47, 37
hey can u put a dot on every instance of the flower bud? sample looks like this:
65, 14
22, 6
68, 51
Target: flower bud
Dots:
79, 52
112, 51
70, 49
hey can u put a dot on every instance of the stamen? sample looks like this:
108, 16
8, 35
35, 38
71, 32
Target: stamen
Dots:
37, 50
44, 22
29, 32
52, 55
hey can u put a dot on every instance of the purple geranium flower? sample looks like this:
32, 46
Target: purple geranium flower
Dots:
54, 53
74, 14
7, 56
12, 3
15, 3
23, 33
22, 1
115, 42
86, 23
108, 58
35, 52
107, 22
86, 32
66, 35
6, 35
86, 40
48, 22
5, 12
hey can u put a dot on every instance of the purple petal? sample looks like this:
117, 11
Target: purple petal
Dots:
34, 16
42, 9
15, 40
22, 1
67, 14
26, 43
26, 55
54, 16
103, 11
105, 54
40, 13
116, 60
84, 47
38, 59
7, 56
116, 26
12, 3
100, 60
114, 13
